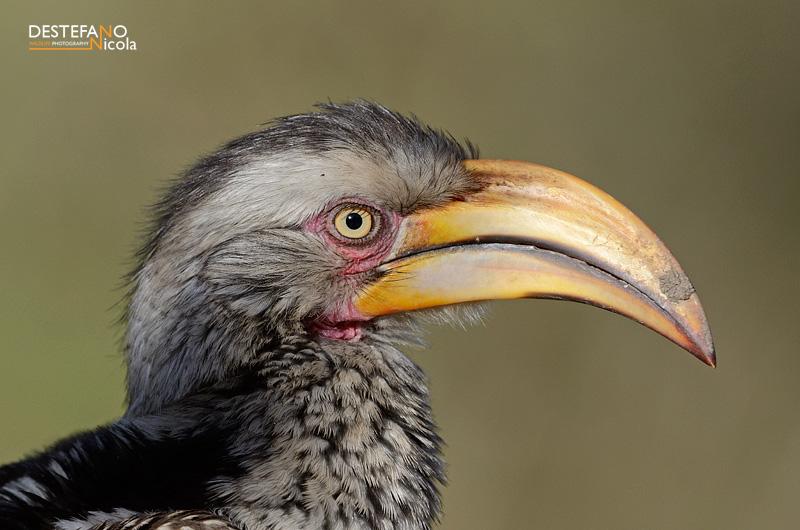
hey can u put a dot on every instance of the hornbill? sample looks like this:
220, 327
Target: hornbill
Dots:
265, 385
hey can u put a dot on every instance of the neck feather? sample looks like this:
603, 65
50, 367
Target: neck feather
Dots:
342, 435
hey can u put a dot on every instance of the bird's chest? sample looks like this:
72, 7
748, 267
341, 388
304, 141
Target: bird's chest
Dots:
341, 448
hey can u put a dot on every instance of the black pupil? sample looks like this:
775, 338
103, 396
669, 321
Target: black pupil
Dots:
354, 221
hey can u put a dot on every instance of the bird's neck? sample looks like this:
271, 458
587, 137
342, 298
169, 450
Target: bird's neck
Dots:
340, 437
328, 434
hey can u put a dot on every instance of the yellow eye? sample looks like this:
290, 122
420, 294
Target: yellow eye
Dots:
353, 222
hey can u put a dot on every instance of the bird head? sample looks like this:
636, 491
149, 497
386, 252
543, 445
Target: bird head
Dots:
344, 224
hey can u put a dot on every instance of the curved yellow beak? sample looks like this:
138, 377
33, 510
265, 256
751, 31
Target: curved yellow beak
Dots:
536, 232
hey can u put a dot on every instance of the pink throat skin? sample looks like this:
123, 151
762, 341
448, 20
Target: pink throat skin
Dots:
348, 331
342, 323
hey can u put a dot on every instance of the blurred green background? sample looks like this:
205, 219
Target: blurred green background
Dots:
556, 415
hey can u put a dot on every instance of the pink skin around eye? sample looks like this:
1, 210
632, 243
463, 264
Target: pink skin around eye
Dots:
344, 322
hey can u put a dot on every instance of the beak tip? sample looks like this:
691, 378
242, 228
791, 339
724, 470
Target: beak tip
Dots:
710, 359
696, 331
705, 353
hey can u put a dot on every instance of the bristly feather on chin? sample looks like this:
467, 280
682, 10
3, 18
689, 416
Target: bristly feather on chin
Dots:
410, 329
